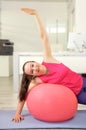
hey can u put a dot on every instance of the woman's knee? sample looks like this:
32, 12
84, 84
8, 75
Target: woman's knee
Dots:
82, 98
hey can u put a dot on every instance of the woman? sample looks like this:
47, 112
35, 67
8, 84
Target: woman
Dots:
50, 71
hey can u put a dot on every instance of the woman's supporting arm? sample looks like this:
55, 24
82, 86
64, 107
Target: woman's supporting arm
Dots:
18, 117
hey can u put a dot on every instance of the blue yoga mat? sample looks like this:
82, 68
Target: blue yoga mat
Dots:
79, 121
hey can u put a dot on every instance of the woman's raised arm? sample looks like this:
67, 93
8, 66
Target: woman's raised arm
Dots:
43, 33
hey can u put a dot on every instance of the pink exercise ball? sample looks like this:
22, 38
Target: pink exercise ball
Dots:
51, 102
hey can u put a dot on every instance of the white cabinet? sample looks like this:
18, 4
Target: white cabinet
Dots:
6, 66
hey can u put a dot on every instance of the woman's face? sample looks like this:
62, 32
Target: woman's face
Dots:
34, 68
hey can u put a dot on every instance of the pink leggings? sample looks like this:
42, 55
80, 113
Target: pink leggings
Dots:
82, 95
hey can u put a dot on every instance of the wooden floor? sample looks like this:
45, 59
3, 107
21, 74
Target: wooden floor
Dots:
8, 99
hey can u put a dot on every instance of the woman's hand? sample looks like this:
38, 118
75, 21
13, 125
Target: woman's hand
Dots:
17, 118
29, 11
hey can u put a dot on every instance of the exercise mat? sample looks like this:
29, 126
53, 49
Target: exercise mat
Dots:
78, 121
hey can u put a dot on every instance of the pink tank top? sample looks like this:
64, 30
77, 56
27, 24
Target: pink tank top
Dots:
61, 74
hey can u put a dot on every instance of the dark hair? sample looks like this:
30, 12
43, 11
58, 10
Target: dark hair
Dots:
26, 79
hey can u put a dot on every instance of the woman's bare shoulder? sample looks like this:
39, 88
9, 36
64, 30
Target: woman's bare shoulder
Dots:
35, 82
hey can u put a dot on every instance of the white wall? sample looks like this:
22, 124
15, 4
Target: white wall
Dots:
77, 23
80, 16
21, 28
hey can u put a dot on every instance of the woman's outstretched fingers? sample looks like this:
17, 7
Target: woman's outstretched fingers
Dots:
28, 10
